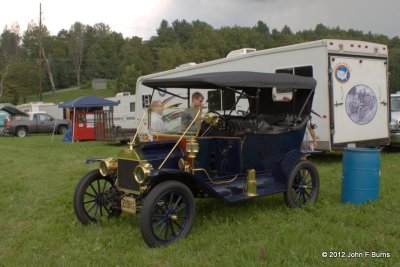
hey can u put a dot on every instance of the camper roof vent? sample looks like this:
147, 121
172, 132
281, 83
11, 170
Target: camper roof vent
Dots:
240, 52
186, 65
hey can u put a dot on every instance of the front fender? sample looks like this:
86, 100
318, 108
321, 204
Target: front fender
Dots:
157, 176
93, 160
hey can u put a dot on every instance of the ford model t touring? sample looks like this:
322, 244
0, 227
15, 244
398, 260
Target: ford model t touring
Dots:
229, 155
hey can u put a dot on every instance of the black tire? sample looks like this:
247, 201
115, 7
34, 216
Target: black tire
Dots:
62, 129
303, 185
96, 198
167, 214
21, 132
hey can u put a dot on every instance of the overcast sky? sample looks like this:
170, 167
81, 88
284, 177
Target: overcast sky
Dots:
142, 17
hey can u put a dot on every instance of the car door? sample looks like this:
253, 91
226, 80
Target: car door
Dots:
45, 123
220, 157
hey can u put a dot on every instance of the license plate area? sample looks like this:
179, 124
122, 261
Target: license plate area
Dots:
128, 204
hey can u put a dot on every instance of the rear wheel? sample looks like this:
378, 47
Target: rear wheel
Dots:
303, 185
21, 132
167, 214
96, 198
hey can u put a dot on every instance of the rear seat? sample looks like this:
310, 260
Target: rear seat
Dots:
242, 125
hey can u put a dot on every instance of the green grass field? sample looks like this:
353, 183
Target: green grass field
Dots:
38, 226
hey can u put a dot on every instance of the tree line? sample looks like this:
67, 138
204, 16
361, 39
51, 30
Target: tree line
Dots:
36, 61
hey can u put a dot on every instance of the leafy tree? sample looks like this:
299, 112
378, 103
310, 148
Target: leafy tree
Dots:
9, 46
76, 46
126, 82
22, 81
165, 35
171, 57
134, 51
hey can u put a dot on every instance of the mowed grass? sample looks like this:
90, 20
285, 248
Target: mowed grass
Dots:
38, 226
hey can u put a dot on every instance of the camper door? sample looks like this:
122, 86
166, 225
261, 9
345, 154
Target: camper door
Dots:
359, 99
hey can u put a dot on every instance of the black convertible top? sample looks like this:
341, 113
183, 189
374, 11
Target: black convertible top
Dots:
234, 79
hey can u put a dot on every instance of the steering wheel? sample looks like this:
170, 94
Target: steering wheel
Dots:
220, 123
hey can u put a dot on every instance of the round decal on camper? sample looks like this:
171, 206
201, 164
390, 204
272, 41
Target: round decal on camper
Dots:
361, 104
342, 73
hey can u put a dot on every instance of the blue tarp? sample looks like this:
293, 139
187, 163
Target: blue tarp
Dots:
68, 134
88, 102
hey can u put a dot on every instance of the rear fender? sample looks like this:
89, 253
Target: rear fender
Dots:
287, 164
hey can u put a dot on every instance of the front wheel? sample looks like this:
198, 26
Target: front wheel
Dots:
167, 214
303, 185
96, 198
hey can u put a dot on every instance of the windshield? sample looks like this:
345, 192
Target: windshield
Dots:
395, 103
174, 121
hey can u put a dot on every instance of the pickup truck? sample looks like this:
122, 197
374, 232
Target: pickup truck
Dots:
36, 123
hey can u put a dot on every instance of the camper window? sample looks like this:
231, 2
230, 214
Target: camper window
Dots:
146, 100
132, 107
306, 71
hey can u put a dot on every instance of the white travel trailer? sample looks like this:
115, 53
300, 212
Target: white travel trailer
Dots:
40, 107
124, 113
351, 98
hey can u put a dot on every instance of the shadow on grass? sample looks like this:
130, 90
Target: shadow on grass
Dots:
391, 150
327, 157
215, 207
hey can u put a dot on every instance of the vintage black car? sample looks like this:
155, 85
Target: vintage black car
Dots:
220, 154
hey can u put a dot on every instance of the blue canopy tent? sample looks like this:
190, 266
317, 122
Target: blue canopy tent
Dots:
86, 102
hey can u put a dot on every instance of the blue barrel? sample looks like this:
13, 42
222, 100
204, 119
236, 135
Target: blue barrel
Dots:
360, 176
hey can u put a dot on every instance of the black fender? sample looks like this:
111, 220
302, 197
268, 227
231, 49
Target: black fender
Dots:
93, 160
160, 175
287, 164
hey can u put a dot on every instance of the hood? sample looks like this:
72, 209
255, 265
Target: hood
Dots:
155, 153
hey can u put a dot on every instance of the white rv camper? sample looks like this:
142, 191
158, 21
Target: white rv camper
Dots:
351, 97
124, 112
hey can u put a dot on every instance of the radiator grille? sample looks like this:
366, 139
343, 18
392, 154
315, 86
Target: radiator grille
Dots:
125, 174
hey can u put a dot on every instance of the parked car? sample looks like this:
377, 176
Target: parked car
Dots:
36, 123
4, 121
395, 120
229, 157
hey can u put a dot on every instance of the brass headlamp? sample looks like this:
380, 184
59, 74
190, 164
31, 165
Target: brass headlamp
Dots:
107, 166
141, 172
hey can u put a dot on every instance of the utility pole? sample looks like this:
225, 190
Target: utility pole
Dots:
46, 61
40, 52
